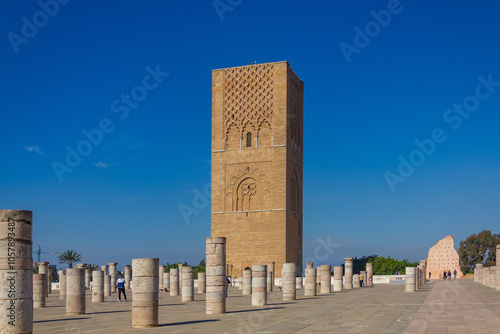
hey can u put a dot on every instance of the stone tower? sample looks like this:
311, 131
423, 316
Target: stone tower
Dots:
257, 113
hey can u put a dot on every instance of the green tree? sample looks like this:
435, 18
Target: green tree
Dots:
92, 267
70, 257
480, 248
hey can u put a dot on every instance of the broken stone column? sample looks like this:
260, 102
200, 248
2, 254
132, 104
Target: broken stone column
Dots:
348, 273
161, 272
16, 275
174, 281
417, 277
369, 272
247, 282
145, 292
87, 278
298, 282
75, 291
216, 284
62, 285
201, 283
39, 287
310, 284
107, 281
269, 281
166, 281
338, 278
326, 285
363, 273
410, 279
477, 272
259, 294
289, 281
355, 281
112, 274
43, 268
97, 286
187, 284
127, 276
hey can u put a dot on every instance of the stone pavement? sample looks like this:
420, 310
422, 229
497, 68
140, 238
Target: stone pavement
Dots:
441, 306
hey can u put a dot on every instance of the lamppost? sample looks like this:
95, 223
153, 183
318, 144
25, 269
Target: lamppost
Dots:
231, 267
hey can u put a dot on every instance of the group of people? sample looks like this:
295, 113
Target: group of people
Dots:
447, 274
362, 280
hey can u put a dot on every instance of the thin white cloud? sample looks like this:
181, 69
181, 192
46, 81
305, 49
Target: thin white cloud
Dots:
101, 164
33, 149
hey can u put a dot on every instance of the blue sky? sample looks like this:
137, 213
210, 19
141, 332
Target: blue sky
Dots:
363, 111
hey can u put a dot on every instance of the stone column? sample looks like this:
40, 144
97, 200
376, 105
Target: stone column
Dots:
112, 274
247, 282
338, 278
39, 287
417, 278
107, 281
201, 283
310, 286
477, 272
174, 281
348, 273
259, 294
145, 292
299, 282
49, 280
75, 291
289, 281
62, 285
485, 276
161, 272
369, 271
271, 269
187, 284
497, 279
363, 273
127, 276
410, 279
16, 271
180, 276
43, 268
493, 277
355, 281
269, 281
216, 276
87, 278
97, 286
166, 281
326, 282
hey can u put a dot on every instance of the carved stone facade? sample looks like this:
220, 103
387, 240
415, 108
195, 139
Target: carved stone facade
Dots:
441, 257
257, 121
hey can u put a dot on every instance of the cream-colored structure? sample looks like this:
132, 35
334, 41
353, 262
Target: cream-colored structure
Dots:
97, 286
441, 257
202, 284
161, 273
166, 281
259, 294
39, 287
187, 284
410, 279
348, 265
338, 278
75, 291
112, 274
289, 290
257, 150
310, 280
174, 281
145, 292
216, 276
16, 308
326, 285
128, 277
43, 268
247, 282
62, 285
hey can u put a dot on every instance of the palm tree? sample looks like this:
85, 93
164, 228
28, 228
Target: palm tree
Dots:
92, 267
69, 257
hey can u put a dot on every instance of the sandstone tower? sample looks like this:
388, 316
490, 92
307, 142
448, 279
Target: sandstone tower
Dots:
443, 256
257, 113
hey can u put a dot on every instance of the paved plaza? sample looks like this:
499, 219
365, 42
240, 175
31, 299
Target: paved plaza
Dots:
460, 306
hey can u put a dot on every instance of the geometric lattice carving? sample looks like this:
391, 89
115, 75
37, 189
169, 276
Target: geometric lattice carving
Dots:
295, 110
248, 103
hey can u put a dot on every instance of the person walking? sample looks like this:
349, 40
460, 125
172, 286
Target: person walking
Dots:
445, 274
429, 275
370, 280
360, 275
455, 274
120, 284
449, 274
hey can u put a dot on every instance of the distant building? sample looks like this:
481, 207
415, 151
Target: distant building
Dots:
441, 257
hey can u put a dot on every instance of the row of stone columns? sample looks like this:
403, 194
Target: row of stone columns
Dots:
415, 277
